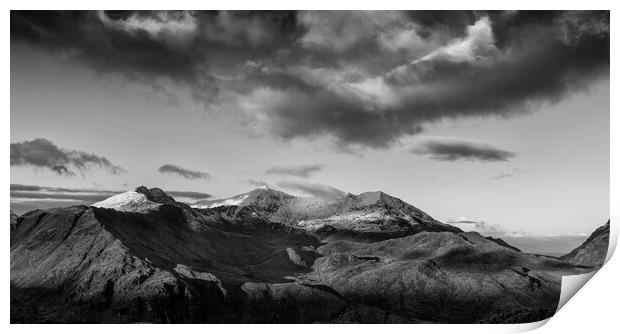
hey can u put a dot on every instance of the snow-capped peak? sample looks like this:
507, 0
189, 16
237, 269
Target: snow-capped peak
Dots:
127, 201
262, 196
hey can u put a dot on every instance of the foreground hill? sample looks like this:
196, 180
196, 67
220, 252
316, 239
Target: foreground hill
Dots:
153, 266
593, 251
143, 257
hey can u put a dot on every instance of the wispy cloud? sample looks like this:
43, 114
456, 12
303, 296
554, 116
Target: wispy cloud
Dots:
84, 195
303, 171
188, 196
313, 189
257, 183
43, 153
484, 228
508, 174
453, 149
30, 197
183, 172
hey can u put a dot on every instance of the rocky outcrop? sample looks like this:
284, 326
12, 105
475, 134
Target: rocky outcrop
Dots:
155, 195
593, 251
14, 220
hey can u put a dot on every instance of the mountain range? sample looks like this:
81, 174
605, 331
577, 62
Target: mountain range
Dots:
268, 257
368, 216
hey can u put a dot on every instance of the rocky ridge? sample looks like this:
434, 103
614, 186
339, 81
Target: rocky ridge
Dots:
593, 251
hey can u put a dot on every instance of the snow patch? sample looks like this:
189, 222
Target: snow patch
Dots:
346, 219
229, 201
128, 201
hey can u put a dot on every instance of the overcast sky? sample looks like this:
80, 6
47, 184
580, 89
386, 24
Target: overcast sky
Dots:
500, 117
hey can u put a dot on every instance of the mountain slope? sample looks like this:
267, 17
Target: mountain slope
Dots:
593, 251
147, 266
370, 214
442, 276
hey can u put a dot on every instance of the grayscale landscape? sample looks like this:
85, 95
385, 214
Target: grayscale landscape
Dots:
285, 167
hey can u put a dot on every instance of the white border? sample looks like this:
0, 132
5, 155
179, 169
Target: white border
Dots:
594, 308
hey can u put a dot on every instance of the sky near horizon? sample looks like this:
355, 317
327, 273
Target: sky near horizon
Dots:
446, 113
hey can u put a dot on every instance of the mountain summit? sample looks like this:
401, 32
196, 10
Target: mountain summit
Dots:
155, 195
140, 200
262, 197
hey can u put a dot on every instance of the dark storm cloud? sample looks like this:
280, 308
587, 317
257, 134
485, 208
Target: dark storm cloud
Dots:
455, 21
152, 46
363, 79
539, 60
43, 153
313, 189
303, 171
109, 44
183, 172
452, 149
